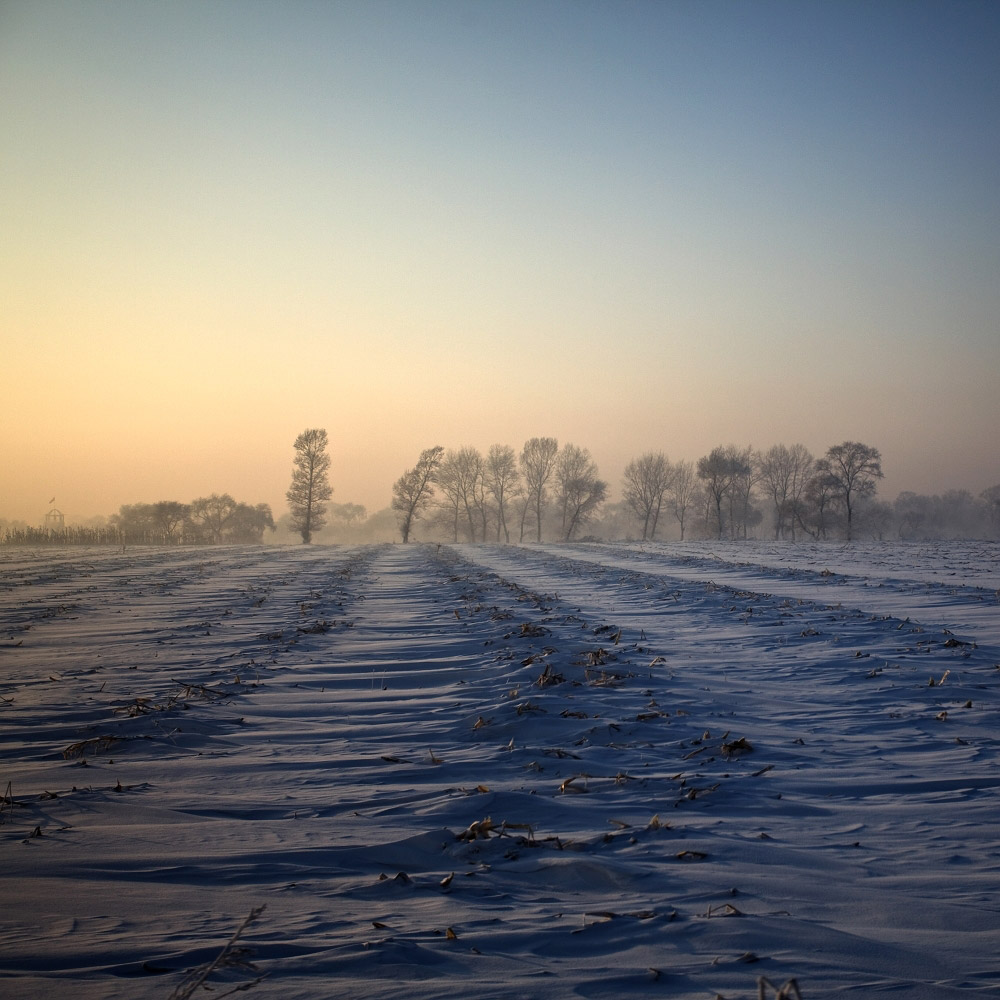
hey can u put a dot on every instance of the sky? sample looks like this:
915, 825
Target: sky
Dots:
630, 226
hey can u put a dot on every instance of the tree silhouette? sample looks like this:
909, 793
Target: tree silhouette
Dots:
580, 491
644, 486
413, 490
538, 463
211, 515
310, 489
502, 482
720, 470
852, 469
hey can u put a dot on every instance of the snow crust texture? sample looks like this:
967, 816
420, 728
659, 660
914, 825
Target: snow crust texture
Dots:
502, 771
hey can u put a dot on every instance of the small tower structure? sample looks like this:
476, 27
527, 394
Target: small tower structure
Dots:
54, 520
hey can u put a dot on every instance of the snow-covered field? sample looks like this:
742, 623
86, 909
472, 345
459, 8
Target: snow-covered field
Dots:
475, 771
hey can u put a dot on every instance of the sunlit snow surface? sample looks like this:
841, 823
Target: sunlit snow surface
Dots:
689, 766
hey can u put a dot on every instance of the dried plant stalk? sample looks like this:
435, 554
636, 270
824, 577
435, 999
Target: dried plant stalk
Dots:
230, 957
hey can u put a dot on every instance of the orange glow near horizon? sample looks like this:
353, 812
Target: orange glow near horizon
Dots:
222, 228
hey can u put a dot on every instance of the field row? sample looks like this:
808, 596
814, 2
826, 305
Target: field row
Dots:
541, 771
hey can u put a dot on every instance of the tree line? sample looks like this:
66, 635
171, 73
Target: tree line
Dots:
218, 519
731, 493
804, 492
474, 497
545, 490
834, 496
464, 495
954, 513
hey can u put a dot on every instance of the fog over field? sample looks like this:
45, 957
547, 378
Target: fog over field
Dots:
552, 491
634, 227
499, 499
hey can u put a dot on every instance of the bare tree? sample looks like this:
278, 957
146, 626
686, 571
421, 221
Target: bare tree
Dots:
538, 462
645, 484
746, 475
247, 524
414, 489
874, 517
961, 515
580, 492
212, 515
817, 501
728, 474
991, 497
448, 480
853, 470
716, 470
168, 515
503, 483
350, 514
713, 470
460, 478
310, 489
684, 493
478, 508
784, 473
523, 509
953, 514
912, 513
135, 522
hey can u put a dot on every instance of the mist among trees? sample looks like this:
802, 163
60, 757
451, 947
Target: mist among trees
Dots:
218, 519
550, 492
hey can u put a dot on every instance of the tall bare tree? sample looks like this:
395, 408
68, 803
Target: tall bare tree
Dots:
746, 475
784, 473
684, 492
580, 492
449, 481
538, 463
460, 479
473, 468
728, 475
818, 500
645, 483
523, 510
853, 469
414, 490
502, 482
310, 489
717, 470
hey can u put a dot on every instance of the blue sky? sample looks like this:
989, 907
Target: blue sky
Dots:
632, 226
